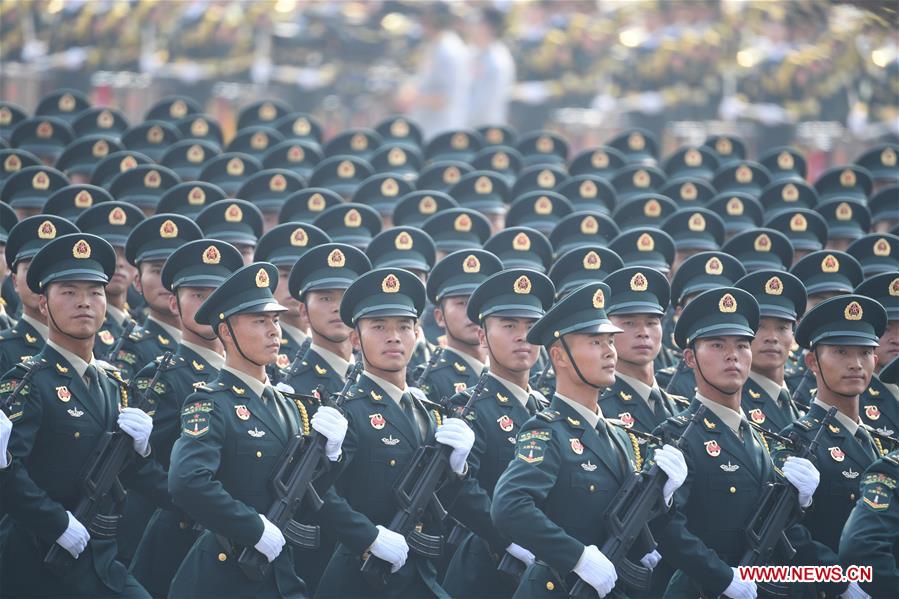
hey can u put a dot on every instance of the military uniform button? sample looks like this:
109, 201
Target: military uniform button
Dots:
852, 496
222, 557
592, 488
391, 463
550, 586
182, 525
77, 434
258, 454
733, 490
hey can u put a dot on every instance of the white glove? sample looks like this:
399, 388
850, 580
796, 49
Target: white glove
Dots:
803, 475
5, 430
138, 425
284, 388
595, 569
651, 559
671, 462
740, 589
75, 537
853, 591
332, 425
391, 547
520, 553
456, 434
272, 540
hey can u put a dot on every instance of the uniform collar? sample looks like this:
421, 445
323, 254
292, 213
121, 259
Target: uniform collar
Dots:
394, 392
642, 389
591, 417
730, 418
77, 362
850, 425
520, 394
39, 327
255, 385
294, 333
767, 385
172, 332
337, 364
118, 316
476, 365
214, 359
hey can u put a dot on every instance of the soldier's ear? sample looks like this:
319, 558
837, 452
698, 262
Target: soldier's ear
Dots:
304, 312
557, 355
42, 304
354, 338
811, 361
438, 315
223, 332
173, 303
689, 357
482, 337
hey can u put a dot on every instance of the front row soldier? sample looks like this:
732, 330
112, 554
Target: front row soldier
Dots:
506, 305
871, 534
190, 273
840, 335
728, 461
388, 421
60, 415
233, 431
569, 460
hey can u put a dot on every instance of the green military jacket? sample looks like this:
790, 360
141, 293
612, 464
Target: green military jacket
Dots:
879, 408
762, 409
449, 376
313, 372
106, 338
18, 344
621, 401
142, 347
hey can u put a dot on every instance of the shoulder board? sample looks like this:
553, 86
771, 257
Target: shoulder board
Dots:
679, 420
805, 423
678, 398
668, 370
37, 363
548, 415
137, 334
892, 458
202, 387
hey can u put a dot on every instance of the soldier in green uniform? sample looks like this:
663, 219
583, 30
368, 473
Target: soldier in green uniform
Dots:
781, 298
7, 221
148, 246
27, 337
462, 357
191, 273
69, 403
869, 536
840, 335
728, 462
569, 460
506, 305
233, 431
879, 404
113, 221
388, 422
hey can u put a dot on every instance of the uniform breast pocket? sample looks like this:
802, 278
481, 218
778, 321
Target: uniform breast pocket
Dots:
254, 461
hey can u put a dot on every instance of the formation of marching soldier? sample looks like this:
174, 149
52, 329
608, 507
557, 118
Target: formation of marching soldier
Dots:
468, 366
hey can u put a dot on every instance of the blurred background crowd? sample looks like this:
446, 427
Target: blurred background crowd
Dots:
822, 76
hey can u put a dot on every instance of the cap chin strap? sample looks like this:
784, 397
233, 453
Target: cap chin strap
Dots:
362, 351
574, 363
824, 379
320, 334
449, 331
708, 382
59, 328
237, 345
184, 323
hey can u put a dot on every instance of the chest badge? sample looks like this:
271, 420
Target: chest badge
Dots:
377, 421
728, 467
75, 412
162, 340
511, 440
282, 361
757, 416
872, 412
588, 466
242, 412
576, 446
389, 440
505, 423
626, 419
106, 337
850, 474
256, 433
712, 448
837, 454
63, 394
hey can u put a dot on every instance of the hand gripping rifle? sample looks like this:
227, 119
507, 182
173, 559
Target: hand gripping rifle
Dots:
299, 465
416, 494
778, 509
101, 478
129, 328
637, 502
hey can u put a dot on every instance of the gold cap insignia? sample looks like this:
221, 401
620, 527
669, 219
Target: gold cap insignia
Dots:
762, 243
178, 109
734, 207
396, 157
543, 206
500, 161
652, 208
743, 174
295, 154
47, 230
211, 255
168, 229
12, 163
277, 183
262, 278
588, 189
66, 103
44, 130
403, 241
267, 111
636, 142
693, 158
888, 157
894, 288
546, 179
592, 261
81, 250
462, 223
235, 167
641, 179
83, 199
127, 163
196, 197
390, 284
798, 223
785, 161
714, 267
352, 219
521, 242
117, 216
522, 285
727, 304
589, 225
299, 238
645, 243
459, 141
789, 193
639, 282
399, 128
155, 134
723, 146
152, 179
599, 300
544, 144
100, 148
389, 187
847, 178
483, 185
452, 174
358, 142
696, 222
599, 159
199, 128
853, 311
336, 259
843, 211
233, 214
471, 265
259, 140
5, 115
40, 181
301, 126
830, 264
774, 286
105, 120
316, 202
427, 205
688, 191
196, 154
882, 247
494, 135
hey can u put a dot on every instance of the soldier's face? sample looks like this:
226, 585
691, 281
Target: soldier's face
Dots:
723, 361
883, 225
839, 243
78, 307
387, 343
451, 316
817, 298
123, 276
771, 346
323, 310
149, 283
847, 368
594, 354
259, 336
29, 299
641, 338
889, 344
191, 298
506, 340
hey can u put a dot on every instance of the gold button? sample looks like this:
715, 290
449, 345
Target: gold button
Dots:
852, 496
222, 557
549, 585
258, 454
77, 434
592, 488
733, 490
391, 463
182, 525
